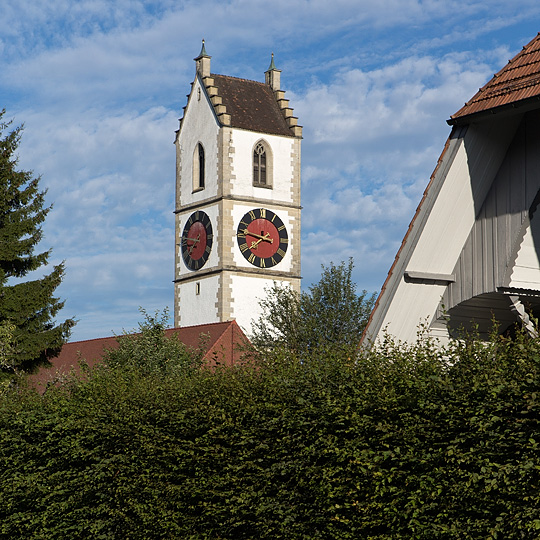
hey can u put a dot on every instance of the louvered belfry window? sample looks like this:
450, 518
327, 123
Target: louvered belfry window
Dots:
259, 165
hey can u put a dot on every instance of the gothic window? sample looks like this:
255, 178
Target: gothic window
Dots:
198, 167
262, 163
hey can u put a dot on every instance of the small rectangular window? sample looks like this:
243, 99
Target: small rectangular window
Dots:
197, 288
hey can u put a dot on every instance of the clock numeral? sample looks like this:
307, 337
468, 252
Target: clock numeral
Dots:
251, 258
196, 264
281, 228
252, 214
284, 240
262, 213
274, 262
208, 249
262, 263
280, 252
243, 248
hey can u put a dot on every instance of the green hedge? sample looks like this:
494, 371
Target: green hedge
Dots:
403, 443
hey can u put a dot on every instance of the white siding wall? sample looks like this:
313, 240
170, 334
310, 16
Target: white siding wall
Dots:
440, 240
526, 271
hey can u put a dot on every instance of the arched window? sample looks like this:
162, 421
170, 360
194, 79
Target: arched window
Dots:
198, 167
262, 163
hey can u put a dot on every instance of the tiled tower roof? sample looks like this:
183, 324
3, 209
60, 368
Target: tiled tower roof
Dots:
251, 104
517, 82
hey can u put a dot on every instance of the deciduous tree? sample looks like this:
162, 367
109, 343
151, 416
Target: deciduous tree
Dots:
330, 314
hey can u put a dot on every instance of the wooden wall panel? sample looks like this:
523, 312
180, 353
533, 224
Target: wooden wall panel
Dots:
490, 251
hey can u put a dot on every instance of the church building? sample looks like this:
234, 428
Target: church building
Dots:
471, 253
237, 228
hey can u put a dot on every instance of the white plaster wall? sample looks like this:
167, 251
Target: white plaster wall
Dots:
239, 210
242, 166
213, 259
247, 292
198, 308
198, 125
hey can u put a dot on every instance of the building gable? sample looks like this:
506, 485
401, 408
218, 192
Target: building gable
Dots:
470, 252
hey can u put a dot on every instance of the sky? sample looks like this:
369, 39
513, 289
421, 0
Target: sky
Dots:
100, 85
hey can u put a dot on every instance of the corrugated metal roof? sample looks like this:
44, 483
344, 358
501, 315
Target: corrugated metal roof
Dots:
518, 81
252, 105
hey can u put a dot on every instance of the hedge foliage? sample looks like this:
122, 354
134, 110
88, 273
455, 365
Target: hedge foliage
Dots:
407, 442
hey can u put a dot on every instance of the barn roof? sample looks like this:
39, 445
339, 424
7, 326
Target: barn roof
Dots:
252, 105
222, 342
518, 83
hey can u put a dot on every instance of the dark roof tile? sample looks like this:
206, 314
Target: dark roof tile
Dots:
252, 105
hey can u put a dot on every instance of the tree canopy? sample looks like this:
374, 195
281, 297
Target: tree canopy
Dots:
330, 314
28, 307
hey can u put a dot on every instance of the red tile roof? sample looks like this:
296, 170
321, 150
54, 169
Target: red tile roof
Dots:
223, 343
252, 105
517, 82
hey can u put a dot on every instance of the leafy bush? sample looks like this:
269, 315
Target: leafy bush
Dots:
404, 442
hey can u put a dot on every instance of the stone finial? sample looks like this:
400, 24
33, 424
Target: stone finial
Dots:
202, 62
272, 76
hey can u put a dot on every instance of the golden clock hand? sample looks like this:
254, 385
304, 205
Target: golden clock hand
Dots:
266, 237
261, 238
195, 241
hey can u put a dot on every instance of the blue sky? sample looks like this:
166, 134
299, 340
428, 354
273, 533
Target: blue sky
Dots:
100, 86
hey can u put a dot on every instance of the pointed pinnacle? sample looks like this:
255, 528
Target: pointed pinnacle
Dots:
272, 65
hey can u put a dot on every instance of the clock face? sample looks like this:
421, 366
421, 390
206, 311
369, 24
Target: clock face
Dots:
262, 238
197, 240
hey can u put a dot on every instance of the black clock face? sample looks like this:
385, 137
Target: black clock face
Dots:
196, 242
262, 238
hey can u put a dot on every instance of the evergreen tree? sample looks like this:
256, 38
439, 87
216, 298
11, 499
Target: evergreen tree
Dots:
28, 307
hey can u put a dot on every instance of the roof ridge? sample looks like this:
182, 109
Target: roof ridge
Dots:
239, 79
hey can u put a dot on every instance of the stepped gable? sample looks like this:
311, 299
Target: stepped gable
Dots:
518, 83
251, 105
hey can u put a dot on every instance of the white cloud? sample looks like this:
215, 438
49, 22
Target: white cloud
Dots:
100, 86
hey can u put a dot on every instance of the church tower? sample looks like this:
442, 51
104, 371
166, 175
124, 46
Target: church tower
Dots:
237, 197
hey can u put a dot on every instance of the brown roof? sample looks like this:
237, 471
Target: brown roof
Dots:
252, 105
223, 343
518, 81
